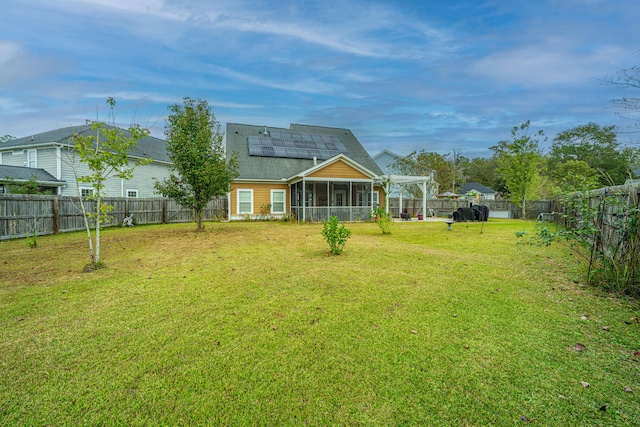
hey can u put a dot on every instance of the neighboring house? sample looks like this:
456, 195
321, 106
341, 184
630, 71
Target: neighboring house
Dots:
12, 175
385, 161
475, 189
53, 153
309, 172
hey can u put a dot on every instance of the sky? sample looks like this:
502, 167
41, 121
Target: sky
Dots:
404, 75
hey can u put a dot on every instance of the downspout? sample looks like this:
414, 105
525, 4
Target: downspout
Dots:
400, 207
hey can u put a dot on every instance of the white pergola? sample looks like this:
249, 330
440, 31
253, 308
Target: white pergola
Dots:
424, 183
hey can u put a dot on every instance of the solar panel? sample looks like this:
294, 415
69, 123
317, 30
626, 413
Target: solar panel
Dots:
295, 145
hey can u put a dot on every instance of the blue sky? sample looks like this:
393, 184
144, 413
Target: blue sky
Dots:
402, 75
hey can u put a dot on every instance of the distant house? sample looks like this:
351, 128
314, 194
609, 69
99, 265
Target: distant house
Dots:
385, 161
52, 153
475, 189
310, 172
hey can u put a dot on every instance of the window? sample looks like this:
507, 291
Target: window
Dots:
86, 192
245, 201
132, 194
368, 199
277, 201
32, 161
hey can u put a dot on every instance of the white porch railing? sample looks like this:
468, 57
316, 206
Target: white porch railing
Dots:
344, 213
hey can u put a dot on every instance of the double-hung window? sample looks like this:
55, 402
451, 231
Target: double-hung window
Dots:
32, 160
245, 201
277, 201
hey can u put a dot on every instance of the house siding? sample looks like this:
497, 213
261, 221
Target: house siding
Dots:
47, 160
339, 169
261, 197
145, 178
11, 159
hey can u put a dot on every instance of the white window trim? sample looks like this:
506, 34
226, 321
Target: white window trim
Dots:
284, 202
81, 189
241, 190
35, 159
126, 193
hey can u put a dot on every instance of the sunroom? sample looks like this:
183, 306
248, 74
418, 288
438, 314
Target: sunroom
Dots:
316, 199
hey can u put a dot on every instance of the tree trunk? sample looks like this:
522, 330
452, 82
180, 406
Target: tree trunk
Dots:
98, 220
199, 227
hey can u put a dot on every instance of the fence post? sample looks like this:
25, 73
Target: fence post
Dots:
164, 210
56, 216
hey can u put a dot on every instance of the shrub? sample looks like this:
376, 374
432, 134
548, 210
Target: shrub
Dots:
335, 234
385, 222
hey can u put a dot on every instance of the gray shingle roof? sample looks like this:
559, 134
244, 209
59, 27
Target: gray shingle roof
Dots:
148, 147
278, 168
483, 189
20, 173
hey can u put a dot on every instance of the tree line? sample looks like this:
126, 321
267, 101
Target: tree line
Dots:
582, 158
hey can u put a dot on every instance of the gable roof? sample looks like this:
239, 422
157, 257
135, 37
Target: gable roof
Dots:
147, 148
483, 189
329, 162
388, 153
24, 174
283, 168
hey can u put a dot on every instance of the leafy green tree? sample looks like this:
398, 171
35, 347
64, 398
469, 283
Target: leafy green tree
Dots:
575, 175
106, 154
520, 162
27, 187
200, 170
595, 145
483, 170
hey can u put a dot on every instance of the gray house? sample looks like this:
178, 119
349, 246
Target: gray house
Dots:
477, 189
50, 159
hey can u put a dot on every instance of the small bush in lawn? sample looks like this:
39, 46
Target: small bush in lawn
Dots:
335, 234
385, 222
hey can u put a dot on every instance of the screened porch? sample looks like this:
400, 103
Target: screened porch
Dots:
348, 200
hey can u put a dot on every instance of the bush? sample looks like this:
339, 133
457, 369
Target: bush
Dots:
335, 234
385, 222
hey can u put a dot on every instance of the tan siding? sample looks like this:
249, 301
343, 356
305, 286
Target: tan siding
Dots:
339, 169
261, 195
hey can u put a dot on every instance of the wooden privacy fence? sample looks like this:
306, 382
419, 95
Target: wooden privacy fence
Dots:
445, 207
23, 214
613, 211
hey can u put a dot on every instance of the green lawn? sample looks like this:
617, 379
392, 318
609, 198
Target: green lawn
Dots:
254, 324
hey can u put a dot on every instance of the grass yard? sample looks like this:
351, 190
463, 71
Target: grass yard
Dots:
253, 324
